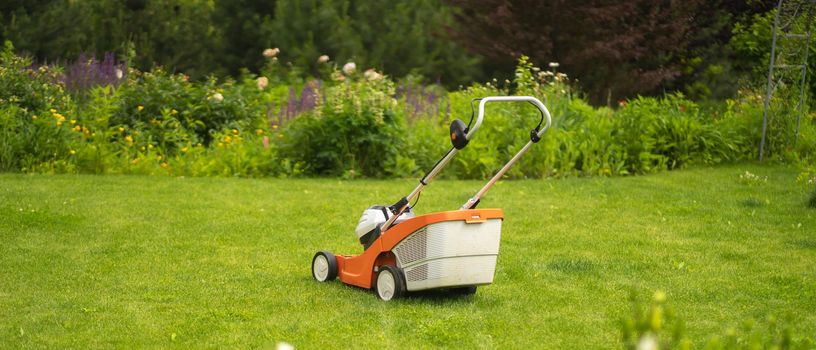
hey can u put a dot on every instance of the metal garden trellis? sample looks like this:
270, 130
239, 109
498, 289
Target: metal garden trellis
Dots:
789, 53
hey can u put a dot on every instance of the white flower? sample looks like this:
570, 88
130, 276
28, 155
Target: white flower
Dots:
119, 73
323, 59
262, 82
647, 342
349, 68
284, 346
269, 53
217, 97
554, 64
371, 74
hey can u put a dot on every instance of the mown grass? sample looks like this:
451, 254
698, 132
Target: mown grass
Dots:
119, 261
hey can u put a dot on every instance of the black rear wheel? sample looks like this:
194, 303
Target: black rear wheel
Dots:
324, 266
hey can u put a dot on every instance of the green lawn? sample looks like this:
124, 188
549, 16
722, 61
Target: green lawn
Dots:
121, 261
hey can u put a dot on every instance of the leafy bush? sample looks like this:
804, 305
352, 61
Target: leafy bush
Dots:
353, 124
158, 98
30, 88
357, 131
31, 137
657, 325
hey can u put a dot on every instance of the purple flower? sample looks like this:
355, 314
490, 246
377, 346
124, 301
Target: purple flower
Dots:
87, 72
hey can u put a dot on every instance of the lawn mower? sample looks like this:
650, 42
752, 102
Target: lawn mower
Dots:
454, 250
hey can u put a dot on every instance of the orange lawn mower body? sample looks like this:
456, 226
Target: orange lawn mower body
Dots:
454, 250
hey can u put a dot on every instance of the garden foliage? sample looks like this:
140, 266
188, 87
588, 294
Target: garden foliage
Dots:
347, 123
657, 325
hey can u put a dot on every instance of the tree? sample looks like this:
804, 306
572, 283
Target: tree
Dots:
617, 49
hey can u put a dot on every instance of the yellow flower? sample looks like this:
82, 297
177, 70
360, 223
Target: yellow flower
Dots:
220, 144
235, 131
52, 110
659, 296
85, 130
77, 128
93, 134
173, 112
129, 139
150, 146
121, 129
34, 117
275, 126
73, 152
139, 108
227, 139
59, 123
159, 157
142, 149
73, 121
164, 165
259, 132
184, 150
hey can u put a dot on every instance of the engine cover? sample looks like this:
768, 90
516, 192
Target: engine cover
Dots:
376, 216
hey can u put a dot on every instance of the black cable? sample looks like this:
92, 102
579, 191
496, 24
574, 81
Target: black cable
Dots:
422, 180
538, 127
415, 202
472, 111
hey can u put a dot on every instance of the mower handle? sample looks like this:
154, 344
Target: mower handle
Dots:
402, 205
533, 100
535, 136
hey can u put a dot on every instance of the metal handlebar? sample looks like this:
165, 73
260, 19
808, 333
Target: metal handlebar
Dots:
475, 199
447, 158
533, 100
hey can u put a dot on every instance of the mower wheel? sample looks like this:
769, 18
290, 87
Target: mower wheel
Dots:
469, 290
390, 283
324, 266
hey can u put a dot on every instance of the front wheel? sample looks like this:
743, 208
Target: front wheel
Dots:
390, 283
324, 266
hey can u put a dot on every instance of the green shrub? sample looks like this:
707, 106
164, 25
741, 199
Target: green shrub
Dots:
199, 108
233, 153
31, 137
657, 325
355, 125
357, 131
32, 89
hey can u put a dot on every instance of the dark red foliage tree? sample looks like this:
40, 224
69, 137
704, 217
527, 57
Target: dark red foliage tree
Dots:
615, 48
